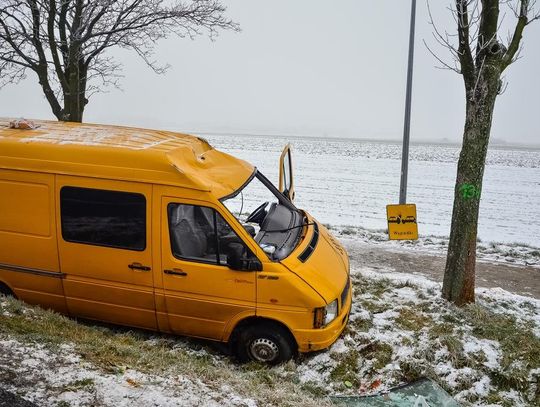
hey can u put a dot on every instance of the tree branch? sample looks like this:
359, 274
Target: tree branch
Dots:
522, 22
464, 49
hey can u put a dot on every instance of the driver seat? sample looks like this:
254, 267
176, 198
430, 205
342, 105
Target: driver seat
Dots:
189, 239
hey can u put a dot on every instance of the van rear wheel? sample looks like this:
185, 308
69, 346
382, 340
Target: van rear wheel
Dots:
264, 343
5, 290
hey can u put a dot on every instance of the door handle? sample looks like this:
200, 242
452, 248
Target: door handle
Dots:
175, 272
138, 266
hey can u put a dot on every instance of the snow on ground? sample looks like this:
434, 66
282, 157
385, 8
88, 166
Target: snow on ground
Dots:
508, 253
400, 328
51, 378
350, 182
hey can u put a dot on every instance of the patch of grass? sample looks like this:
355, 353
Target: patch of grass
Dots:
79, 384
379, 287
348, 231
407, 341
411, 370
403, 284
455, 350
412, 320
379, 353
346, 369
518, 342
520, 348
414, 369
362, 325
374, 307
496, 399
440, 329
317, 391
451, 318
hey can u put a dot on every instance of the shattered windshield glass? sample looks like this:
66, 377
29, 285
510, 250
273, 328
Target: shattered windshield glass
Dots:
270, 218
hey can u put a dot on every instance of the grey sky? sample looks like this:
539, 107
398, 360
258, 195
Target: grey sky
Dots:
306, 67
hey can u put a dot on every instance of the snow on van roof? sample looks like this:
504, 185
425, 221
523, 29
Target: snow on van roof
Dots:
64, 133
121, 153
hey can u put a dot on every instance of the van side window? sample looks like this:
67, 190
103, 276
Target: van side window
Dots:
200, 233
103, 218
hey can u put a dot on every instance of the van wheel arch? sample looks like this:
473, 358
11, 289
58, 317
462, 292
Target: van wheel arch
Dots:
5, 290
264, 327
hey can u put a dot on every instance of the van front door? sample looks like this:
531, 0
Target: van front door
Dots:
202, 294
105, 250
286, 180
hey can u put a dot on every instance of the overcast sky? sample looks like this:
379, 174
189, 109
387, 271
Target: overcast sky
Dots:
306, 67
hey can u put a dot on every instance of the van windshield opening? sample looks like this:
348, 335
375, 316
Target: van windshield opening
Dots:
269, 217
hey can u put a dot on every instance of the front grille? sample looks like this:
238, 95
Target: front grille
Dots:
308, 250
345, 292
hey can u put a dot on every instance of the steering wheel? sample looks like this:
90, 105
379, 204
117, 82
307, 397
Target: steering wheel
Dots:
258, 215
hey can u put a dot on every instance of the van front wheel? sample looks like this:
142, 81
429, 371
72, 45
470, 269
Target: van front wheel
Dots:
264, 343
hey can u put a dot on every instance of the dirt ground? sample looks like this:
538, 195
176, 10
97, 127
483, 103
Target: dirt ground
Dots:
522, 280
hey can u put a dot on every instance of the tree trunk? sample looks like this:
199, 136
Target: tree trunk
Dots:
459, 274
75, 99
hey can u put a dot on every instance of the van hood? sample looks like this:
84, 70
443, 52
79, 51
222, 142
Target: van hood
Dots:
321, 262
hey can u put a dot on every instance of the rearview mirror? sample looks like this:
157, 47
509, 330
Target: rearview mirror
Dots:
239, 260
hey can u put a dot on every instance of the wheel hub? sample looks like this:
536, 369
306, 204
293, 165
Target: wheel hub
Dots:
264, 350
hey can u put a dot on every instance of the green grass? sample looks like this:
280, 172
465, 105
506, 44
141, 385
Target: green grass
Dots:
79, 384
520, 347
379, 353
346, 369
413, 320
359, 325
440, 328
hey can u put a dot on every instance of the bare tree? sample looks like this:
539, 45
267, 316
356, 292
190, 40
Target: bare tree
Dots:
67, 43
480, 56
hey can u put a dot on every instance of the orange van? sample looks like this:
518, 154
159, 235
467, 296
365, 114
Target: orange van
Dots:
158, 230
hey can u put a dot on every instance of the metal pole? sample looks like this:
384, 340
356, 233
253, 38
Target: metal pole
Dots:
407, 125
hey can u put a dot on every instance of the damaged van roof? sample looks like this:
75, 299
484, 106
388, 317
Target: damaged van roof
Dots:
122, 153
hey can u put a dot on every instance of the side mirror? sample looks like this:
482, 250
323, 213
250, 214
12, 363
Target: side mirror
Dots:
237, 259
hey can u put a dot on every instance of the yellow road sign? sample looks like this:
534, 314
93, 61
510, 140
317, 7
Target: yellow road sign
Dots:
402, 222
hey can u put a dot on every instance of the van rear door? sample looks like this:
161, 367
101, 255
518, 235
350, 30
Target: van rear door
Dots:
286, 180
104, 238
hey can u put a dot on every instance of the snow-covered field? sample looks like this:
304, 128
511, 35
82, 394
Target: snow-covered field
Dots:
350, 182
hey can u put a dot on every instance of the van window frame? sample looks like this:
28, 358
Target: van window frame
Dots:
145, 245
267, 183
217, 244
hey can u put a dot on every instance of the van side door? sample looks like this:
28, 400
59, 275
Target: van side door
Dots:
202, 294
104, 231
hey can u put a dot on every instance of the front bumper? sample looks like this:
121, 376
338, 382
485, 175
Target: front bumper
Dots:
310, 340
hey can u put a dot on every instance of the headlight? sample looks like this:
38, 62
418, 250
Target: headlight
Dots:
325, 315
331, 312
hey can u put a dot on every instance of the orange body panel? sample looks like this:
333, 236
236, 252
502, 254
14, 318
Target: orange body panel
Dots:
41, 266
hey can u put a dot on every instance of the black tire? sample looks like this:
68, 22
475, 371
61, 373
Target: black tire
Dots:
5, 290
264, 343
